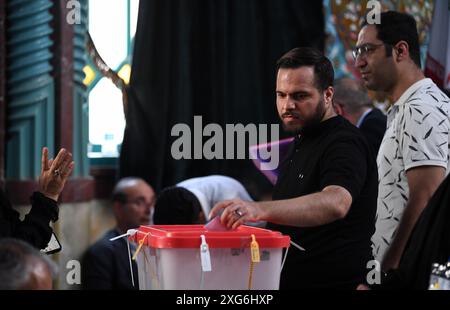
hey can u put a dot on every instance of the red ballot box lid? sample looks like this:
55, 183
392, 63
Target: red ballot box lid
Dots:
189, 236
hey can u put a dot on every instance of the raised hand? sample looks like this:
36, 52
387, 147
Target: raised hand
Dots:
54, 173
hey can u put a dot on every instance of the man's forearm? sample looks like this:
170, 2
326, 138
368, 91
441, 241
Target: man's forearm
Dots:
420, 193
410, 216
316, 209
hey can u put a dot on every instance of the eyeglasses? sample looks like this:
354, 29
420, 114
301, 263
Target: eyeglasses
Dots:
141, 202
363, 50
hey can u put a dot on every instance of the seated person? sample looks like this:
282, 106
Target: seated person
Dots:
22, 267
35, 229
106, 264
190, 201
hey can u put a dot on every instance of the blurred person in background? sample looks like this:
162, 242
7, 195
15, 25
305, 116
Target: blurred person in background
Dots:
106, 264
190, 201
22, 267
352, 102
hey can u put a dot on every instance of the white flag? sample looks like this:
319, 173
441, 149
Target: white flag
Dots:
438, 56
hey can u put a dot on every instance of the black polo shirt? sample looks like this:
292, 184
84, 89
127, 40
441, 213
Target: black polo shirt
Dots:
333, 152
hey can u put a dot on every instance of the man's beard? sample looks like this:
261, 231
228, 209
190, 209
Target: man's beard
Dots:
314, 120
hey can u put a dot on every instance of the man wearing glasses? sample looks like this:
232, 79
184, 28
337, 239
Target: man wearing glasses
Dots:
106, 264
413, 156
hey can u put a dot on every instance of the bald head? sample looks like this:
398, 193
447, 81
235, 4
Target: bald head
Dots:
350, 99
351, 94
133, 202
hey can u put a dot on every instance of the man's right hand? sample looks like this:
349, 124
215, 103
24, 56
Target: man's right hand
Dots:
237, 212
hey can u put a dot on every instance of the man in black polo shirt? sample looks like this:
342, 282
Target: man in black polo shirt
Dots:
326, 193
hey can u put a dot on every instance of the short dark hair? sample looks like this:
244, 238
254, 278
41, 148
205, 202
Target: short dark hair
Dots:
17, 260
395, 27
309, 57
176, 205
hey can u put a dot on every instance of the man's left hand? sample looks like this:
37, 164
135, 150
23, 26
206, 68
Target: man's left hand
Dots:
54, 173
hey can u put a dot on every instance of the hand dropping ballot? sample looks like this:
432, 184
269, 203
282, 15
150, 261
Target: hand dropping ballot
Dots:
216, 225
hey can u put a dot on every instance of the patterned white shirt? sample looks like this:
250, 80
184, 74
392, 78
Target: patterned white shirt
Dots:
417, 134
212, 189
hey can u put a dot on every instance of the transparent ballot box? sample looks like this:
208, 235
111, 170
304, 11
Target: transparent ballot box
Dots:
179, 257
